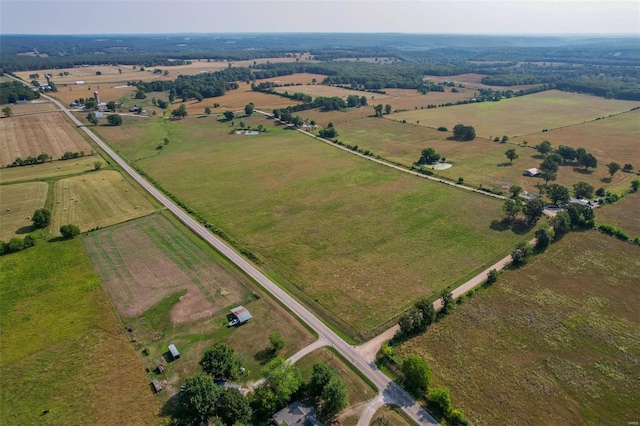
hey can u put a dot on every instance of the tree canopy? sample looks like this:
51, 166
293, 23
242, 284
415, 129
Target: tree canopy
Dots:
417, 375
41, 218
221, 362
464, 133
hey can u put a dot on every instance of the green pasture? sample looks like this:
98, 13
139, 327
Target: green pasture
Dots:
356, 240
520, 116
554, 342
46, 171
61, 347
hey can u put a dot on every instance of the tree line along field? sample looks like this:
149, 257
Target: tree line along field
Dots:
17, 204
168, 287
44, 171
554, 342
31, 135
348, 236
62, 348
96, 200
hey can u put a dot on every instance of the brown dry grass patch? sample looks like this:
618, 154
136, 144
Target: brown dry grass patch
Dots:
31, 135
17, 204
555, 342
33, 107
106, 92
97, 200
474, 80
145, 261
300, 78
47, 170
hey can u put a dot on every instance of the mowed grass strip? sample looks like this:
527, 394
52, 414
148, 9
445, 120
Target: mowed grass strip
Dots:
62, 348
522, 115
47, 170
360, 240
31, 135
17, 204
97, 200
555, 342
624, 214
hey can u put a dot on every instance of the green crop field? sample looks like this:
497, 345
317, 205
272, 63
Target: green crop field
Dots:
624, 214
356, 240
97, 200
170, 287
522, 115
62, 347
47, 170
555, 342
17, 204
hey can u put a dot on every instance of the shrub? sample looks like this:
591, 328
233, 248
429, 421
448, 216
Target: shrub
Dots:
442, 398
457, 415
69, 231
492, 276
613, 231
601, 192
442, 129
521, 254
460, 180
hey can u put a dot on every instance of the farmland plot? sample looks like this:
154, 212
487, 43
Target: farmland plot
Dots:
47, 170
97, 200
31, 135
17, 204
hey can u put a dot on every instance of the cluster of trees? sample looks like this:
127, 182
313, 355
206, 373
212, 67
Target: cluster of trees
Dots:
429, 156
180, 112
16, 244
30, 160
69, 231
200, 86
464, 133
329, 132
565, 154
418, 319
532, 209
70, 155
13, 91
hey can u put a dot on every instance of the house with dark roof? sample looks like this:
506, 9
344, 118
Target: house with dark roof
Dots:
296, 414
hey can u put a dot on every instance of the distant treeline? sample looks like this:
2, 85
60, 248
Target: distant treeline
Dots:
207, 85
12, 91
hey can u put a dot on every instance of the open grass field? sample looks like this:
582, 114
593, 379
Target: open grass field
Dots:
483, 161
169, 287
97, 200
38, 105
522, 115
17, 204
358, 391
62, 347
47, 170
624, 214
474, 80
22, 136
555, 342
348, 236
111, 74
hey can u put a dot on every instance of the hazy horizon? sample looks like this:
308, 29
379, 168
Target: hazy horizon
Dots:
432, 17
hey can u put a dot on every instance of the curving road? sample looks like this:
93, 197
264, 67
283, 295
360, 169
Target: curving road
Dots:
391, 392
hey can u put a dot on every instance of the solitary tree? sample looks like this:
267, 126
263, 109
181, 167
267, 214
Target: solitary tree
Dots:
228, 115
207, 110
387, 109
635, 184
515, 190
197, 402
111, 105
97, 165
543, 239
588, 160
447, 301
627, 167
558, 193
180, 112
464, 133
232, 407
91, 118
114, 119
7, 111
41, 218
334, 398
69, 231
378, 110
613, 169
544, 147
277, 342
221, 362
583, 190
511, 155
511, 209
533, 210
417, 374
568, 153
248, 109
429, 155
320, 377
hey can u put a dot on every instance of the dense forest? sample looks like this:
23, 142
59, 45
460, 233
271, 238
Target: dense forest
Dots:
603, 66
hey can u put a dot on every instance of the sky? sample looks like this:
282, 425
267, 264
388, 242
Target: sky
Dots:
241, 16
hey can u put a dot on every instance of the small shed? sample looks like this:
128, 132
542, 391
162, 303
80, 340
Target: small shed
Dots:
157, 386
532, 172
241, 314
174, 351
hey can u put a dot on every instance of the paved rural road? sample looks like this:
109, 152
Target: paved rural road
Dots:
391, 392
